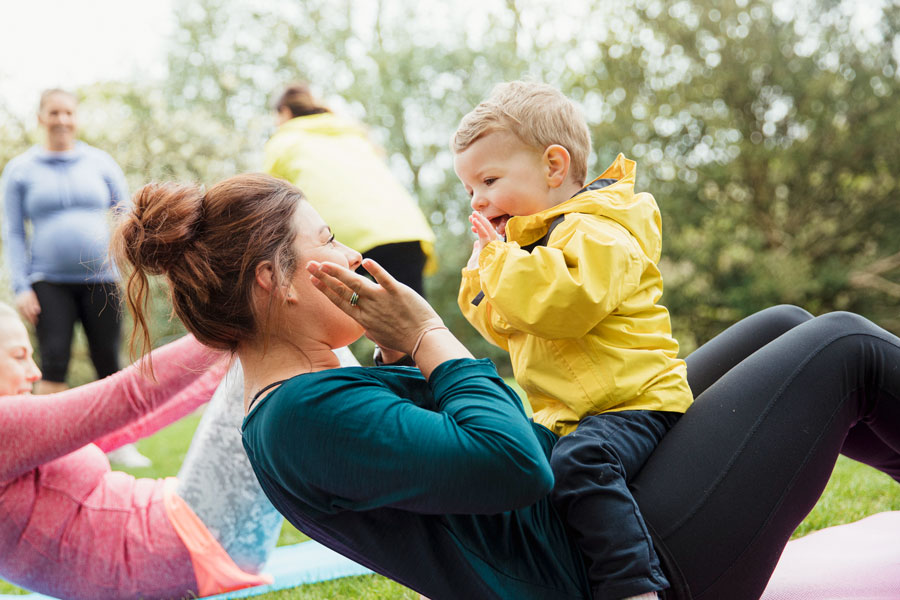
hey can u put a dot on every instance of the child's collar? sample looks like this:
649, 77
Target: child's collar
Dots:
596, 184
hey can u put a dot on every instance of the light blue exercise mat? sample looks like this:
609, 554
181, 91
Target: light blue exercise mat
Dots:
306, 562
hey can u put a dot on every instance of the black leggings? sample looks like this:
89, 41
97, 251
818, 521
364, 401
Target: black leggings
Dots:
96, 305
779, 395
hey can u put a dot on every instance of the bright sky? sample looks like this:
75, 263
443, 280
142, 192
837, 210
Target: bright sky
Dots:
67, 43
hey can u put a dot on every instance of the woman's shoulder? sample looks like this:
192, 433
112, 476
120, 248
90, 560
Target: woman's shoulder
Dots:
92, 152
307, 387
18, 164
312, 403
360, 388
353, 379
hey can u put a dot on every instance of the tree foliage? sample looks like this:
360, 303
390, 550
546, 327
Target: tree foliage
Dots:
765, 128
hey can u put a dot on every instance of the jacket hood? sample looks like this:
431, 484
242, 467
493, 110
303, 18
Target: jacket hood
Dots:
638, 213
322, 124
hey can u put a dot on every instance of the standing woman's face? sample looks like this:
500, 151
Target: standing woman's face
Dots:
57, 117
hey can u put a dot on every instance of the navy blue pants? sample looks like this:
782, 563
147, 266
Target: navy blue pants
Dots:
593, 466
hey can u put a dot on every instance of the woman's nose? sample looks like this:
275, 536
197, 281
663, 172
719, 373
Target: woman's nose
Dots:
34, 374
354, 258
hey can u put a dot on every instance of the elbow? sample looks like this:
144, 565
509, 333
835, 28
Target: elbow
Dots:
520, 484
540, 481
530, 488
534, 485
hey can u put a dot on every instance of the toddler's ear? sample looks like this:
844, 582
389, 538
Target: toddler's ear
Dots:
556, 161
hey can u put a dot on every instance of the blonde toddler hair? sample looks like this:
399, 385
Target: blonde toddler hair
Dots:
536, 113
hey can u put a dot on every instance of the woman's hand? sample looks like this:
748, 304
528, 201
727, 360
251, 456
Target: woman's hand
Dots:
28, 305
392, 314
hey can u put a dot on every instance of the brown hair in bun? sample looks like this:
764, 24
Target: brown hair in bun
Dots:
207, 246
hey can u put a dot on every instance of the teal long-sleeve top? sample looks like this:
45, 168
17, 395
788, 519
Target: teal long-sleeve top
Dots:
440, 485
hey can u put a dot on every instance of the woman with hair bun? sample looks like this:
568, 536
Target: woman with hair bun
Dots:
346, 179
433, 475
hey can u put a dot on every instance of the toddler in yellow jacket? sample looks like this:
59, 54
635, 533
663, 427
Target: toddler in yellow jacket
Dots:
564, 276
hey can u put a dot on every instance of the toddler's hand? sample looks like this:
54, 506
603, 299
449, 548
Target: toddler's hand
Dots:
481, 227
473, 260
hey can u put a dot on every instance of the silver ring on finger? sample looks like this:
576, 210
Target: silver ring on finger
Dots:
354, 299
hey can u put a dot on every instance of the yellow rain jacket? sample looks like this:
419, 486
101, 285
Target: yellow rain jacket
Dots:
346, 180
580, 316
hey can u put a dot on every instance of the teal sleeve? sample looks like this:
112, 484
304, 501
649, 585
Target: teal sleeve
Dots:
359, 442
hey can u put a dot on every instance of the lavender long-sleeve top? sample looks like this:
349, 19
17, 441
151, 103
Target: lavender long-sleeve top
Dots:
65, 199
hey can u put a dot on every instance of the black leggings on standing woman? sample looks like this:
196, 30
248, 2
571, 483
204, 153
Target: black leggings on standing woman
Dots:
778, 397
96, 305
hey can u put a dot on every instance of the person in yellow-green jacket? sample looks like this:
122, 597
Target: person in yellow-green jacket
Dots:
346, 179
564, 276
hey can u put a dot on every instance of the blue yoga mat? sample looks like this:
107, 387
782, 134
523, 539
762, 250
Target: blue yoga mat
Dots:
306, 562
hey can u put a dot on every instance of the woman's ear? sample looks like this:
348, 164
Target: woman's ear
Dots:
265, 279
265, 276
556, 161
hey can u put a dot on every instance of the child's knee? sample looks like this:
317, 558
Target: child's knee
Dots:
574, 459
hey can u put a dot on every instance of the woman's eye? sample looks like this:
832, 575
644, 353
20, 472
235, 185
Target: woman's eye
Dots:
330, 240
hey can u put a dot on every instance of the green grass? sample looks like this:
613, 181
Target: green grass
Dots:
854, 491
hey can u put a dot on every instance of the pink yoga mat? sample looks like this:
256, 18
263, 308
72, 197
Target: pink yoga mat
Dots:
857, 561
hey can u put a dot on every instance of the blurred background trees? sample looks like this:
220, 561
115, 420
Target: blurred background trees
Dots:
766, 129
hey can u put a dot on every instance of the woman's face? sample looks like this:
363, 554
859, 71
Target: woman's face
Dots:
18, 372
57, 117
282, 115
315, 241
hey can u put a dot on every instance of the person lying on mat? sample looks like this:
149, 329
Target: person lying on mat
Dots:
72, 528
433, 475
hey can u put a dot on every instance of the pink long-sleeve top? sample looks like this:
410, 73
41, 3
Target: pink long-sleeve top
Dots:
69, 525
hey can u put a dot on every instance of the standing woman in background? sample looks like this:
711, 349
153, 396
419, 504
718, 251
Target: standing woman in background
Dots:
57, 199
346, 179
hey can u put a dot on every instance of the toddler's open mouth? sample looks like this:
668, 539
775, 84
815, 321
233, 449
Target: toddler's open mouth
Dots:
499, 224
